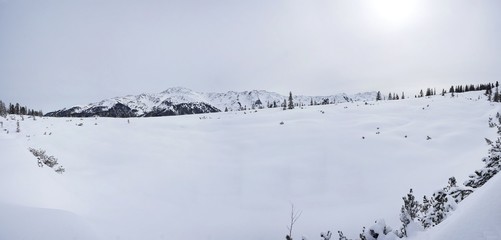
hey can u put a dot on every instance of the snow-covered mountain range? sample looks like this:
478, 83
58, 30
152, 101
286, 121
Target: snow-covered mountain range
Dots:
180, 101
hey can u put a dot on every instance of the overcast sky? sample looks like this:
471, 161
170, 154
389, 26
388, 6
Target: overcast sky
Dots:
55, 54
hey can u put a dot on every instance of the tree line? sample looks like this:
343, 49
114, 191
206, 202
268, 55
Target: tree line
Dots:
18, 110
493, 96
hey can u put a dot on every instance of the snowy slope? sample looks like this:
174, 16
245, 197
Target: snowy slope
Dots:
233, 175
144, 104
19, 222
478, 217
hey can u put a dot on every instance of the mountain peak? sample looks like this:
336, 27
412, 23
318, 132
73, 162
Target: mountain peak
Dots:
177, 90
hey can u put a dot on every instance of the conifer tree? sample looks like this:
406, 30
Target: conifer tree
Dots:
496, 96
378, 96
424, 212
3, 109
408, 212
17, 109
291, 103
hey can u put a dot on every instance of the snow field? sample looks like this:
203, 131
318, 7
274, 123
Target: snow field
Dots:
222, 175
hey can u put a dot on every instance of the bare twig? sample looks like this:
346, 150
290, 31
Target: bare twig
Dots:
294, 217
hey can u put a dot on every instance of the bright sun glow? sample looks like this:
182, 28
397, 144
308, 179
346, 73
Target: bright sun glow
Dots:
394, 12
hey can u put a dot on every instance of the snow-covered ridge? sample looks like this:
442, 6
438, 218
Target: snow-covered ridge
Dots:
179, 101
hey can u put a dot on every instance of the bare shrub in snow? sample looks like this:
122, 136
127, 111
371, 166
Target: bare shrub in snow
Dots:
341, 235
327, 235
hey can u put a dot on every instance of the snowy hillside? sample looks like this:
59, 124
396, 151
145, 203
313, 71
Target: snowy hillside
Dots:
181, 101
229, 175
478, 217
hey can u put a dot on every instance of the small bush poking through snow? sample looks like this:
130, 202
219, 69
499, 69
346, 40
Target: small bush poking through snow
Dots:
44, 159
327, 235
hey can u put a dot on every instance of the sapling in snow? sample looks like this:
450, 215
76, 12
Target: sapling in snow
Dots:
293, 218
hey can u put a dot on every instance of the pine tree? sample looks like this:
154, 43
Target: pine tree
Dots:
496, 96
285, 104
439, 210
291, 103
3, 109
17, 109
408, 212
378, 96
403, 96
424, 213
12, 110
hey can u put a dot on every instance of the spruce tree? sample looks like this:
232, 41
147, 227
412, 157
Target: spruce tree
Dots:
3, 109
378, 96
291, 103
424, 216
408, 212
18, 109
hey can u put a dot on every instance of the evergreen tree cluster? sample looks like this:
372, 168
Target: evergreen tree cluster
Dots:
429, 92
432, 211
497, 96
395, 96
492, 162
470, 88
18, 110
457, 89
391, 96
